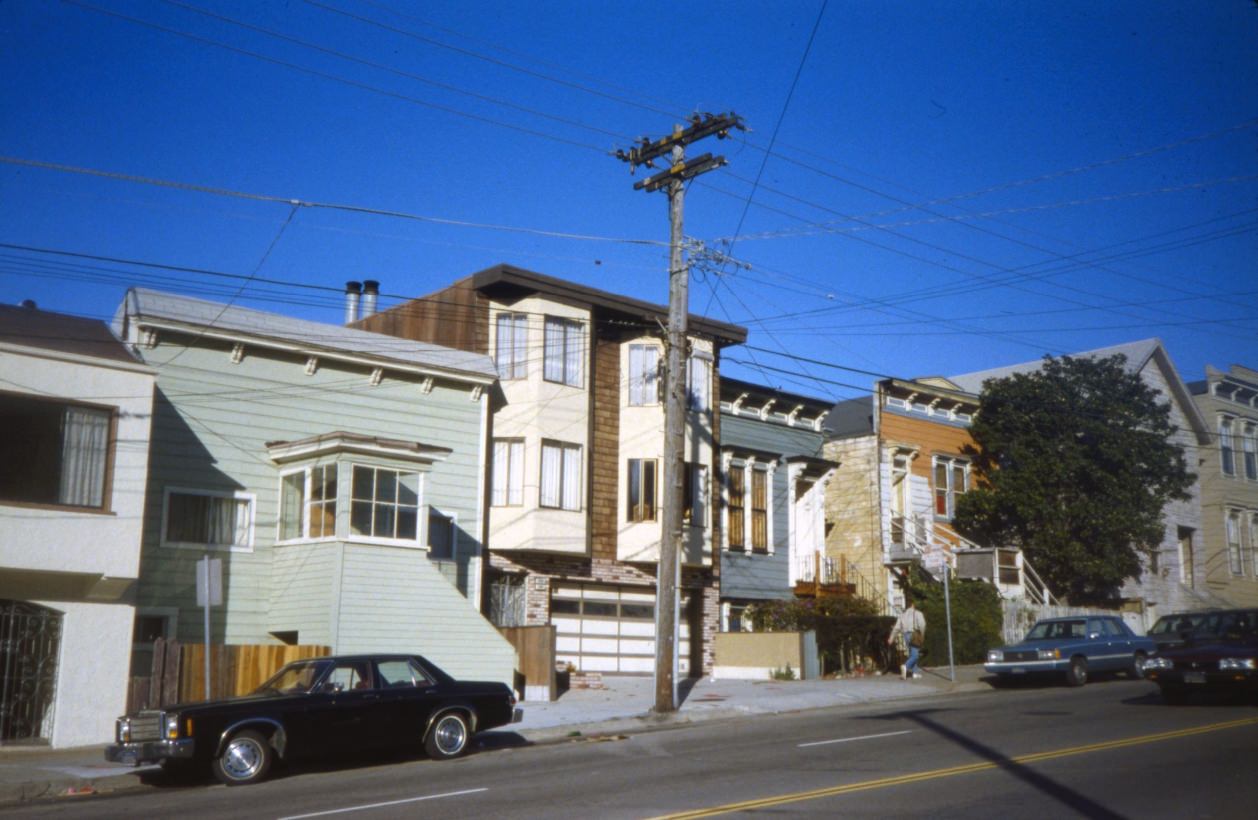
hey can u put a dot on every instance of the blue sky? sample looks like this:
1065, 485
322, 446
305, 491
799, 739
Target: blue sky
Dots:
926, 187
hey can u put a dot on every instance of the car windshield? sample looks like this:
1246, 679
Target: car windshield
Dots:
1175, 624
1230, 625
295, 679
1045, 630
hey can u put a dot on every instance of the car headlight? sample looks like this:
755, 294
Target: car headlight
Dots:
171, 727
1238, 663
1159, 663
124, 730
995, 656
1048, 654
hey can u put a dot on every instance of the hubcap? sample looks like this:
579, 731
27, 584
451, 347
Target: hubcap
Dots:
451, 735
242, 759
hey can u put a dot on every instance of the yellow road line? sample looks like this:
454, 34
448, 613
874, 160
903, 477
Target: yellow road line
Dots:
917, 777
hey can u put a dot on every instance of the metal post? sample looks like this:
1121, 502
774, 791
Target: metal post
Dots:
952, 666
207, 625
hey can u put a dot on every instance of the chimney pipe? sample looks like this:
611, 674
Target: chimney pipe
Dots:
371, 291
352, 291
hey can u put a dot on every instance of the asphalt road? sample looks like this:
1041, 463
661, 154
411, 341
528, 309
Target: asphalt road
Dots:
1110, 749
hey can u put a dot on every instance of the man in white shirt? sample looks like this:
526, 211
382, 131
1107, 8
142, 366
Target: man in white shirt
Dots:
911, 628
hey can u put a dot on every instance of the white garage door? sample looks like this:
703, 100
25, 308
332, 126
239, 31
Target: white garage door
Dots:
604, 628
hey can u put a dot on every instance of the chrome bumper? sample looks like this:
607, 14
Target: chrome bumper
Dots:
153, 751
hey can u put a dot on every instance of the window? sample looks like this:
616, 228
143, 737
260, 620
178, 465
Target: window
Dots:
1250, 445
1234, 560
562, 359
737, 481
195, 518
1253, 542
308, 503
951, 480
508, 473
699, 384
511, 346
642, 475
561, 475
54, 453
644, 375
695, 513
1226, 446
385, 504
148, 628
759, 510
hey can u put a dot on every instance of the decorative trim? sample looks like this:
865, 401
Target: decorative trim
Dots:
377, 375
312, 364
238, 352
477, 392
425, 386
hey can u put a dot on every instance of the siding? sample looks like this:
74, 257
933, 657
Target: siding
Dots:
605, 457
455, 317
853, 507
212, 420
395, 600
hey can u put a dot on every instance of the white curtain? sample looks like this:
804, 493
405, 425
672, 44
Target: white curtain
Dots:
515, 487
697, 382
228, 521
572, 478
572, 355
552, 466
554, 352
84, 447
644, 369
498, 496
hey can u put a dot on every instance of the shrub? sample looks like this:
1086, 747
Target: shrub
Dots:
976, 618
847, 628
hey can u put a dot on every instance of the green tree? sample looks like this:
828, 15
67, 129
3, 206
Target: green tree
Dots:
1075, 463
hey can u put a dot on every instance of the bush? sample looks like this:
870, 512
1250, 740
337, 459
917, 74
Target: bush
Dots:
976, 619
847, 628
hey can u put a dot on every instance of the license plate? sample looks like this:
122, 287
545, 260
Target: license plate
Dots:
1194, 677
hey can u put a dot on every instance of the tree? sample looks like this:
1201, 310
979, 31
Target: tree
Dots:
1075, 463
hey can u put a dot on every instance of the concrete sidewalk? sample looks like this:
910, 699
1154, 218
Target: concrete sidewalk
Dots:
622, 707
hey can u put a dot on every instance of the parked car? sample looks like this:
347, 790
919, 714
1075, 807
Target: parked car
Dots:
316, 706
1220, 656
1074, 647
1174, 630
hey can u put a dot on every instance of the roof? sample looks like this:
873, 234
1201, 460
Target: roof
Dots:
1138, 354
148, 306
507, 277
735, 387
851, 417
45, 330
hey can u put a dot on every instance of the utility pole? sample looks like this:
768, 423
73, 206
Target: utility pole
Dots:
672, 181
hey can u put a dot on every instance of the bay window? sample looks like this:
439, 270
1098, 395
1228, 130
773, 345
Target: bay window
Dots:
511, 345
508, 473
384, 503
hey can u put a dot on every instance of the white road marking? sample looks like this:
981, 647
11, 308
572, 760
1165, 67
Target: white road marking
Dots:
382, 805
850, 739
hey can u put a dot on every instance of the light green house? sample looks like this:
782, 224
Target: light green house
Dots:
337, 474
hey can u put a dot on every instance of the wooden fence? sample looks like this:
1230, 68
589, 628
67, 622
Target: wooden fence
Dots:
535, 646
178, 673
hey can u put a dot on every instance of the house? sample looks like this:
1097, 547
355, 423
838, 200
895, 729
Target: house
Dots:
773, 527
336, 474
574, 524
1174, 577
75, 406
1229, 484
902, 468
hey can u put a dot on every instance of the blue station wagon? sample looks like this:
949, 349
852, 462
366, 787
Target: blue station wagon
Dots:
1074, 647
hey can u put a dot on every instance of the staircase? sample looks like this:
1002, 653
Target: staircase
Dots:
942, 548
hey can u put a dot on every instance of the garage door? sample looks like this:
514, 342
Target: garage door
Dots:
605, 628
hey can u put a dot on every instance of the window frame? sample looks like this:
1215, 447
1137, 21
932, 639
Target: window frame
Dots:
108, 455
635, 513
951, 464
511, 362
699, 401
570, 349
647, 377
565, 448
695, 493
1232, 539
250, 500
736, 508
421, 523
307, 503
1249, 449
512, 473
1227, 446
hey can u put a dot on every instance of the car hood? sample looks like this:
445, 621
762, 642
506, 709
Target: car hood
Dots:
238, 700
1211, 650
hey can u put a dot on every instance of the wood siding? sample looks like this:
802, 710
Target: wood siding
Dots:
605, 514
456, 317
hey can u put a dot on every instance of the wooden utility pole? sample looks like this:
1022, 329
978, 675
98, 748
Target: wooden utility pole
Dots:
668, 574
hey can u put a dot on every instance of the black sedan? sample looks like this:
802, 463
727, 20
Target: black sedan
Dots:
318, 706
1220, 656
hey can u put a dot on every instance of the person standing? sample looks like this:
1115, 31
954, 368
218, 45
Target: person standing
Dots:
911, 628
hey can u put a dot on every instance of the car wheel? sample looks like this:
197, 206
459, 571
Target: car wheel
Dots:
448, 737
1137, 666
1174, 696
245, 759
1077, 674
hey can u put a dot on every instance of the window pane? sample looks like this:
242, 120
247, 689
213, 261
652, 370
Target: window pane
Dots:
551, 474
363, 483
648, 489
554, 348
386, 485
292, 504
635, 490
360, 518
515, 494
737, 501
85, 441
407, 523
572, 478
408, 489
501, 467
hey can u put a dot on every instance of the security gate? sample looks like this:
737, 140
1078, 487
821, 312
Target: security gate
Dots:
30, 641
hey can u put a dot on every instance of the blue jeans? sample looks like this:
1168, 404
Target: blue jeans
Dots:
911, 664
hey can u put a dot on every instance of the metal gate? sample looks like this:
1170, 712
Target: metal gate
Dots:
30, 641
